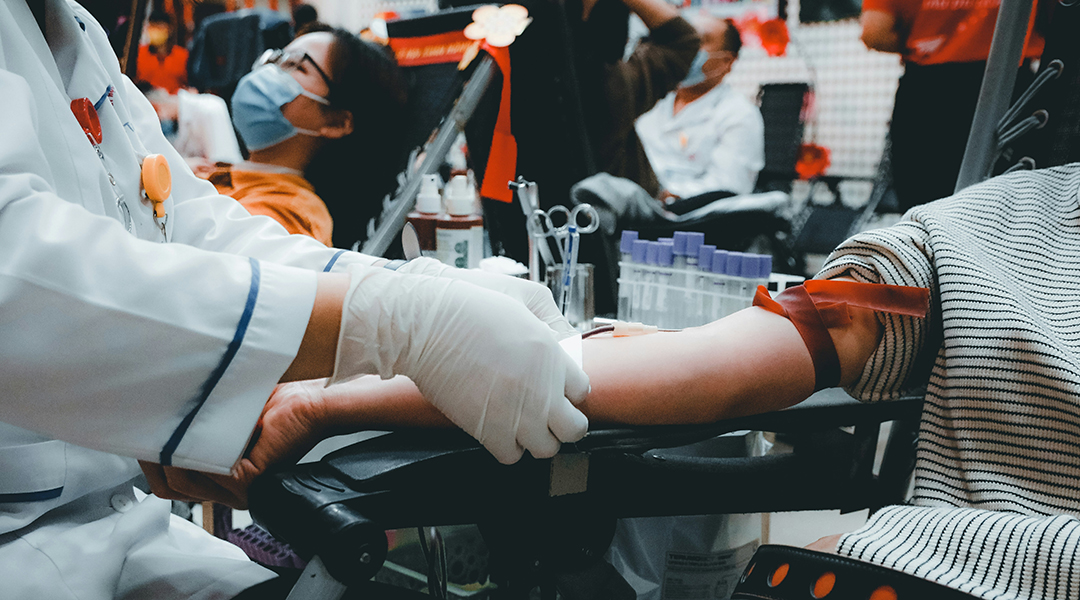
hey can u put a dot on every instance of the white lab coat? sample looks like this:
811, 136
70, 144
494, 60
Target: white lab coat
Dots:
118, 344
716, 142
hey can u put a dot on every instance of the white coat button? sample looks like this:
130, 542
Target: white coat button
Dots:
121, 503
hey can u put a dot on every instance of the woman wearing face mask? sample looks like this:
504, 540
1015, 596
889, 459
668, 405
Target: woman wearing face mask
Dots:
319, 120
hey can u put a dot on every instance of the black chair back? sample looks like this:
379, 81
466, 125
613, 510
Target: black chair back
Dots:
782, 108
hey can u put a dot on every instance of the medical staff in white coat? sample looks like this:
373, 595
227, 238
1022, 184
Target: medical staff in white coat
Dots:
133, 329
705, 136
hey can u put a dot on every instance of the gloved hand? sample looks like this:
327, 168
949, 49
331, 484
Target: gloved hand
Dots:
535, 297
482, 358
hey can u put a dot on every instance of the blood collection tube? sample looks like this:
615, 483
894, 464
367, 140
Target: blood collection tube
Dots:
666, 304
638, 251
626, 246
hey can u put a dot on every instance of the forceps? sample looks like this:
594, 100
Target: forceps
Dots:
567, 237
541, 225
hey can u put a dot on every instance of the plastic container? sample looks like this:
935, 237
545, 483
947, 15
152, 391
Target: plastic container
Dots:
459, 234
426, 214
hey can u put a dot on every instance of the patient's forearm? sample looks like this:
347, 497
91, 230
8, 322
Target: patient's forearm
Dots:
372, 403
751, 362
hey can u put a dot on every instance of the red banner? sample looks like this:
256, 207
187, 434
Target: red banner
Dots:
430, 49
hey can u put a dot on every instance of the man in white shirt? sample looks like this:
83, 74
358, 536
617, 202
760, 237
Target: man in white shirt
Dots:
705, 136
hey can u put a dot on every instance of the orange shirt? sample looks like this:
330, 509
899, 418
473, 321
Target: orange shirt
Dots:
169, 73
949, 31
288, 199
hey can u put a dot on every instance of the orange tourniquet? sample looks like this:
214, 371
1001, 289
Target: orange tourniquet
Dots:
818, 304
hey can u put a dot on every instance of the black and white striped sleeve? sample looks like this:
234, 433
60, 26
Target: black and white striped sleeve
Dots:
985, 553
898, 255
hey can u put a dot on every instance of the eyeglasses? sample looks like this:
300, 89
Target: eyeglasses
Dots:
290, 60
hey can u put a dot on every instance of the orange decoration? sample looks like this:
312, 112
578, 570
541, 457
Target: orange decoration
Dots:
883, 593
813, 161
778, 575
824, 585
774, 37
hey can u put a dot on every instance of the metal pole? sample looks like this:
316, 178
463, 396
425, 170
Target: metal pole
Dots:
995, 96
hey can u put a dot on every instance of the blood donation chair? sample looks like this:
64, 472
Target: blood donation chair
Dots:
547, 523
737, 222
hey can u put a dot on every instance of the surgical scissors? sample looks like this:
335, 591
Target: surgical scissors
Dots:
567, 237
542, 224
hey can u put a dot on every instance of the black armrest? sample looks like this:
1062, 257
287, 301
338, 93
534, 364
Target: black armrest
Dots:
339, 506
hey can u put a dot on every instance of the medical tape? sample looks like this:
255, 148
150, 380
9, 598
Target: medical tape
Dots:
819, 305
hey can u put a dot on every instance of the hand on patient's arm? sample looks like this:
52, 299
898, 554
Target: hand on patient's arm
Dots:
297, 417
291, 424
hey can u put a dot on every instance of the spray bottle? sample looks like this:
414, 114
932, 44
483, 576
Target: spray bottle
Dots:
428, 207
459, 234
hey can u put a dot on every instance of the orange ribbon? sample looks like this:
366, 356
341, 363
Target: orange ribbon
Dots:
502, 159
821, 304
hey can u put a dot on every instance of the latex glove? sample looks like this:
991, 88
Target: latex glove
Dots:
481, 358
535, 297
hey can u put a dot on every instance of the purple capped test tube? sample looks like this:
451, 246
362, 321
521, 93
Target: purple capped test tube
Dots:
699, 284
626, 267
694, 241
705, 256
718, 292
638, 251
665, 315
626, 243
679, 248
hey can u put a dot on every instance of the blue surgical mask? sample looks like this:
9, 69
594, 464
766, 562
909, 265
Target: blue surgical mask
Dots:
697, 70
257, 102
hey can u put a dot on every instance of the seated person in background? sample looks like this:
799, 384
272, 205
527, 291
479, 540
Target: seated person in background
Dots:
319, 120
614, 91
705, 136
995, 508
162, 63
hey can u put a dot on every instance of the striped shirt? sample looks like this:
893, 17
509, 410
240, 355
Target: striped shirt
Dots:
997, 477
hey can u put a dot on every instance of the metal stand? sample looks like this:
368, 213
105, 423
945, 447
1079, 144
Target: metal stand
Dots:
434, 152
995, 95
